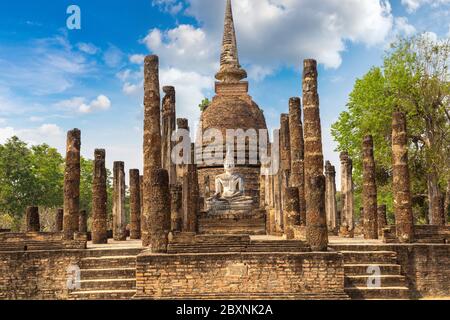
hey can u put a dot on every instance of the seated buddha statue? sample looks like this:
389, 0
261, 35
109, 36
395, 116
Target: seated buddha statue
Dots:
229, 187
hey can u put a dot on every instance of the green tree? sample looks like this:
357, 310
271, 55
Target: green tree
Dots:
205, 104
48, 171
86, 180
413, 79
17, 181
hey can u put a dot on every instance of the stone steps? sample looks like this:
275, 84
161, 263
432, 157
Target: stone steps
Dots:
108, 273
378, 257
103, 295
114, 252
107, 284
364, 293
358, 260
386, 281
108, 262
362, 269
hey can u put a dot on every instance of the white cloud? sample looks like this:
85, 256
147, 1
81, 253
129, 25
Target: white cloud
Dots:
171, 6
101, 103
2, 121
402, 26
184, 47
130, 89
36, 119
78, 104
191, 88
88, 48
113, 57
47, 133
43, 66
137, 58
272, 33
6, 133
414, 5
50, 129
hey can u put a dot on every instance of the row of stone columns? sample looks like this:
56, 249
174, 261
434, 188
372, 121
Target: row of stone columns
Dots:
157, 212
33, 220
302, 160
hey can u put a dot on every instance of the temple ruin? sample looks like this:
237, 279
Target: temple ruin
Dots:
225, 224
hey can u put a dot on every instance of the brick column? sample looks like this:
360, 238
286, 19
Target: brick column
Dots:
382, 219
347, 212
152, 154
158, 219
182, 124
369, 191
317, 233
59, 220
285, 161
143, 222
447, 202
119, 215
297, 153
135, 205
32, 216
291, 211
169, 123
190, 196
404, 220
82, 222
99, 199
330, 197
176, 207
72, 184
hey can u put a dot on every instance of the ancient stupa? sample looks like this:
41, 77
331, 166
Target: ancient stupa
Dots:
232, 108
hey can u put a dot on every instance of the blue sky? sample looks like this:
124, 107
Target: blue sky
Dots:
53, 79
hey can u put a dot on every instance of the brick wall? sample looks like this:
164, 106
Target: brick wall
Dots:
39, 275
427, 269
235, 275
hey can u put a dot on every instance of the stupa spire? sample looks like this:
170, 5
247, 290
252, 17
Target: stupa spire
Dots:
230, 69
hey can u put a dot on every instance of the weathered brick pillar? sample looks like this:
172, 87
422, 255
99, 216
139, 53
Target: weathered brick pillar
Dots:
59, 220
72, 184
297, 153
447, 202
182, 124
404, 220
437, 214
135, 205
99, 199
285, 161
119, 215
169, 123
190, 196
158, 219
143, 222
369, 191
82, 222
176, 207
152, 154
330, 197
316, 221
347, 213
291, 211
32, 216
382, 219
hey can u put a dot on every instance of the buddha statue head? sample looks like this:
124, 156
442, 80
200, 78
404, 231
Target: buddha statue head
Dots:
229, 162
